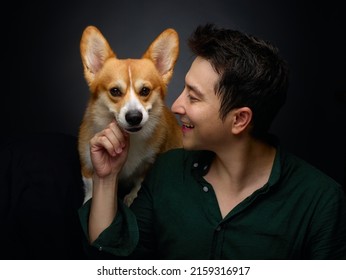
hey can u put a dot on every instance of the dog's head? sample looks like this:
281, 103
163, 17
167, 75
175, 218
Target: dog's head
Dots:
129, 90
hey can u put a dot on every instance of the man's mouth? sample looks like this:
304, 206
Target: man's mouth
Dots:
186, 124
187, 127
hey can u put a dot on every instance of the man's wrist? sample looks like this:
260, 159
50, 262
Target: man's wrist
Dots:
110, 181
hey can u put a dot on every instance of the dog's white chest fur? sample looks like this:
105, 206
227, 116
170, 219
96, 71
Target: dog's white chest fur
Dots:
138, 155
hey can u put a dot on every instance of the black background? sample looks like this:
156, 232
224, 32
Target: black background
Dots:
43, 88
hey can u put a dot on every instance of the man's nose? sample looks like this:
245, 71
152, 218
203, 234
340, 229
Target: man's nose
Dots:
177, 106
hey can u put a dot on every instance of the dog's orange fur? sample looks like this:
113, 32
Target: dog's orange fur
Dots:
121, 87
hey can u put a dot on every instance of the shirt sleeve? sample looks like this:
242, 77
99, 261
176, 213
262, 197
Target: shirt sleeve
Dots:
119, 239
131, 235
328, 227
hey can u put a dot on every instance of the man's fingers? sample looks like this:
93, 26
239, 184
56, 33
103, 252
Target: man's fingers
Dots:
111, 139
118, 134
101, 142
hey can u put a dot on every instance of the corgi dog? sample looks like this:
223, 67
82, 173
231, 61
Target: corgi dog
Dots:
131, 92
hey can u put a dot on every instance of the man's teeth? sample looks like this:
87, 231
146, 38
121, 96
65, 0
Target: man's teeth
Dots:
189, 125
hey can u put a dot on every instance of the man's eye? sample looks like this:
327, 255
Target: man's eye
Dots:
191, 98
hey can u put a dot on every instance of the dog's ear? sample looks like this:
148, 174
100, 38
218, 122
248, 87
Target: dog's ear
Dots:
164, 51
95, 50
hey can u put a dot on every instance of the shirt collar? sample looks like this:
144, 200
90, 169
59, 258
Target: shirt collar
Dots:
201, 162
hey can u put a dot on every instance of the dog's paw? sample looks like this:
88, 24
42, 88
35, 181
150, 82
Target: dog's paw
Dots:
87, 189
129, 198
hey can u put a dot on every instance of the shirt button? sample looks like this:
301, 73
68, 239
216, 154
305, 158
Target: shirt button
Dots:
195, 164
218, 228
100, 248
205, 167
205, 189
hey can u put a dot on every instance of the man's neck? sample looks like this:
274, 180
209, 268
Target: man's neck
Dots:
246, 164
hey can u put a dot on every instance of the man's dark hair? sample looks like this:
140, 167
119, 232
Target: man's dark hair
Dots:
252, 74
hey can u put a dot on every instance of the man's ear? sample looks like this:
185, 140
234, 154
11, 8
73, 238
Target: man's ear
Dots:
241, 119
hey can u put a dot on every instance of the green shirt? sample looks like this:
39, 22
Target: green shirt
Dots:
300, 213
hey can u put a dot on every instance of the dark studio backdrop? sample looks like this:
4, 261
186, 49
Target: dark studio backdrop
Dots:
44, 89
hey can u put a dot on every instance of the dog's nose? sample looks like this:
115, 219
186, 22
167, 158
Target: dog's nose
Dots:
134, 117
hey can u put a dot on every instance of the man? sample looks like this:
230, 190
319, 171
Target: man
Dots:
232, 192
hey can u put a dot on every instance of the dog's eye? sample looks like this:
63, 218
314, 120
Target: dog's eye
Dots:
115, 92
144, 91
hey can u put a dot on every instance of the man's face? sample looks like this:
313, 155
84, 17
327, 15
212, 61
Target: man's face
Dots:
198, 107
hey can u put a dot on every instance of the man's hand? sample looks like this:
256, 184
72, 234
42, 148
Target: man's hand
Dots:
108, 150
